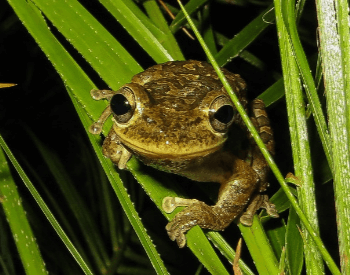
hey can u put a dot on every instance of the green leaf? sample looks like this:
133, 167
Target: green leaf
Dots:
15, 214
227, 251
273, 93
158, 19
45, 210
208, 31
333, 19
245, 37
276, 235
309, 84
294, 244
103, 52
259, 247
140, 27
180, 19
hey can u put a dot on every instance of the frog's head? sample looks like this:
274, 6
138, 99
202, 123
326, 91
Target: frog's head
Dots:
167, 114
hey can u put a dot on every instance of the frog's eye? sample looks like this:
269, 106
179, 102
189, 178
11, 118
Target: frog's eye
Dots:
221, 114
123, 105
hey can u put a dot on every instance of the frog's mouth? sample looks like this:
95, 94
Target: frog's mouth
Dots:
167, 151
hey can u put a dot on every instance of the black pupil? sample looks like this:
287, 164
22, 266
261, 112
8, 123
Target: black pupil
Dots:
224, 114
120, 105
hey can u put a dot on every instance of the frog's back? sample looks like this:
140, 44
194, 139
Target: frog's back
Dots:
182, 85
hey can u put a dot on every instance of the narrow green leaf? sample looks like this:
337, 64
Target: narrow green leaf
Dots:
259, 247
208, 32
245, 37
282, 262
227, 251
252, 59
88, 227
301, 149
147, 35
294, 244
180, 18
276, 235
344, 39
156, 16
15, 215
91, 39
45, 209
333, 19
273, 93
309, 84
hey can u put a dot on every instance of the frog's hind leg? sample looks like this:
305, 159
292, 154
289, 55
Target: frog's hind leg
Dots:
262, 124
257, 202
234, 195
259, 164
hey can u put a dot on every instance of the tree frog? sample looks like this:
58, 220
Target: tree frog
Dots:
177, 117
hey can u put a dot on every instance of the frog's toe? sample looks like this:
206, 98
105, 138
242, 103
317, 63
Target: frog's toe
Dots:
181, 240
246, 219
270, 209
197, 213
115, 150
178, 227
176, 231
169, 204
259, 201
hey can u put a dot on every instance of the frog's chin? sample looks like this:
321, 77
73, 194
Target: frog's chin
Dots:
170, 152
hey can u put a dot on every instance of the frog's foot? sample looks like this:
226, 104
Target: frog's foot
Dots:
259, 201
114, 150
96, 128
197, 213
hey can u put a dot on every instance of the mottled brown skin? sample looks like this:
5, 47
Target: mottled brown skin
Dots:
171, 126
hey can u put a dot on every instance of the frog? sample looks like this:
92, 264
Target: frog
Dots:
178, 118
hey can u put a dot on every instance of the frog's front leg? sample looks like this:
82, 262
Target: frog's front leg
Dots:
234, 195
112, 147
115, 150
